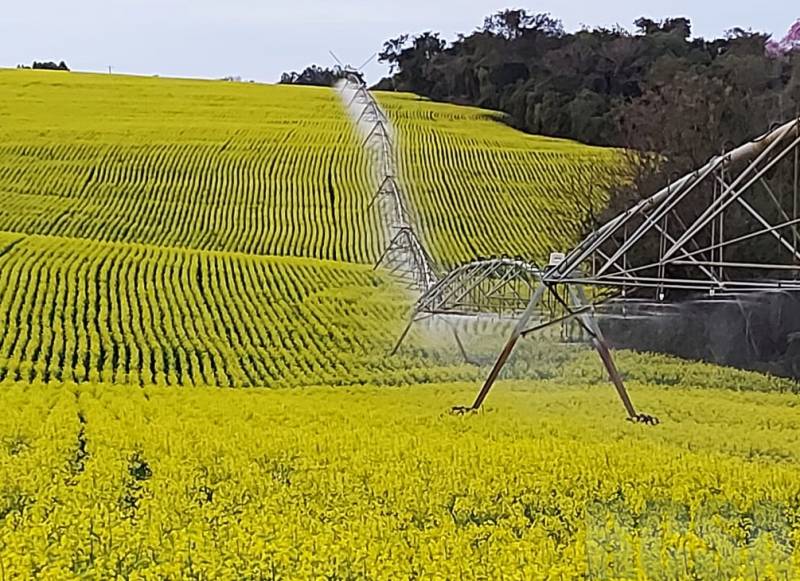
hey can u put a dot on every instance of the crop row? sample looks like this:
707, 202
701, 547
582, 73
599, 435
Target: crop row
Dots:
257, 170
479, 188
277, 171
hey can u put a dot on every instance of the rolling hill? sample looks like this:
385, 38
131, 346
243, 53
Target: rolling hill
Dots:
211, 233
480, 188
161, 239
272, 171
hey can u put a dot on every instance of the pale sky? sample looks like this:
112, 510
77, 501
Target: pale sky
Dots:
260, 39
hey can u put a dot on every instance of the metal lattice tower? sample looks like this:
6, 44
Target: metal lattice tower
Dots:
699, 250
495, 287
405, 255
681, 239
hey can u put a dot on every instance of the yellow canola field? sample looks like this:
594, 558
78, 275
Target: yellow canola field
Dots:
276, 170
141, 221
175, 234
121, 313
480, 188
79, 310
196, 164
102, 481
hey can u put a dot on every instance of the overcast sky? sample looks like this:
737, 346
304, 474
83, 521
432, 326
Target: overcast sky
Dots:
259, 39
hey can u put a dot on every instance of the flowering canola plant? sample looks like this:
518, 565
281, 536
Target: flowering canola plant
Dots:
549, 482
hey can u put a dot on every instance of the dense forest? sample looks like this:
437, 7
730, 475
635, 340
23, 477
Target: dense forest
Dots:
598, 85
671, 100
656, 88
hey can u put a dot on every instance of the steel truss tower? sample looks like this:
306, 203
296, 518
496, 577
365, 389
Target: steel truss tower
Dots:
681, 239
405, 255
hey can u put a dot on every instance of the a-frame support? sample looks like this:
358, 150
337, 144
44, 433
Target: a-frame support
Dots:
728, 178
416, 318
583, 311
405, 257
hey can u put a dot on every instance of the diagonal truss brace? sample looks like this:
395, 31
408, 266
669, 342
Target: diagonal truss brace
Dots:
753, 161
579, 308
405, 255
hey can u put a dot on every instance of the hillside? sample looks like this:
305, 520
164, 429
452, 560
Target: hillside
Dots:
211, 166
481, 188
79, 310
170, 232
249, 168
161, 239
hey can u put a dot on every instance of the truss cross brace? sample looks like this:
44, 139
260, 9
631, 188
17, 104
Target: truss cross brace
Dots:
584, 313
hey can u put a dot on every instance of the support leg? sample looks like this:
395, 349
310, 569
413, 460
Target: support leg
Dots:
461, 348
411, 321
521, 325
601, 345
386, 251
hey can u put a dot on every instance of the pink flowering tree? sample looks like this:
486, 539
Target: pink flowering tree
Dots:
789, 43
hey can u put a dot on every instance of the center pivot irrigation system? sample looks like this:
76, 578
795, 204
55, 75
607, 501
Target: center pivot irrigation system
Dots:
498, 287
682, 239
404, 256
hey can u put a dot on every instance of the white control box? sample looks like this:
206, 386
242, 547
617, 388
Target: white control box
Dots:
556, 258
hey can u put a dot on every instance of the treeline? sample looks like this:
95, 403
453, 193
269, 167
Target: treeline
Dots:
671, 100
314, 75
595, 85
46, 66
